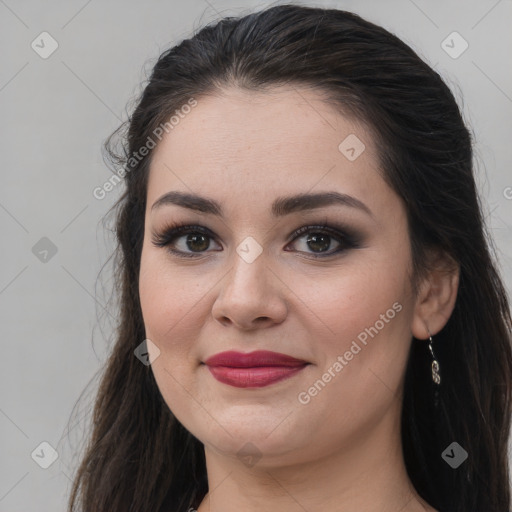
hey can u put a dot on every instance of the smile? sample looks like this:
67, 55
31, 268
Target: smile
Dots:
254, 369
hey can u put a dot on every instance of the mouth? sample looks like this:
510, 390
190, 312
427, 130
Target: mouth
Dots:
254, 369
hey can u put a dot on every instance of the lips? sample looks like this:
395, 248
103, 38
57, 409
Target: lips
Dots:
253, 369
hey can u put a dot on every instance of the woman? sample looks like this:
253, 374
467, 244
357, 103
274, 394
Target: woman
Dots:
311, 318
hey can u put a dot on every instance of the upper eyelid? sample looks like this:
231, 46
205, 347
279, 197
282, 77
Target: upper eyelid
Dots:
184, 229
345, 226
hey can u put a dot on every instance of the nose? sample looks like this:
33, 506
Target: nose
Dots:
251, 296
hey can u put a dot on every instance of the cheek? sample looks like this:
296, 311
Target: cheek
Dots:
172, 304
354, 299
369, 329
363, 316
164, 306
169, 297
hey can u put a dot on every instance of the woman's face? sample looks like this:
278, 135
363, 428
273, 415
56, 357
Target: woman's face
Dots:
341, 304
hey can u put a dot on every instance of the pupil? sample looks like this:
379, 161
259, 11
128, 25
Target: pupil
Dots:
191, 239
315, 238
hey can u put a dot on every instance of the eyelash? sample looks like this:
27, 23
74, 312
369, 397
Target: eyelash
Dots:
172, 231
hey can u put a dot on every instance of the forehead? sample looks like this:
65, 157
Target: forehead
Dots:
247, 146
287, 119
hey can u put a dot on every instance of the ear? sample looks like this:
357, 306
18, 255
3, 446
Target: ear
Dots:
436, 296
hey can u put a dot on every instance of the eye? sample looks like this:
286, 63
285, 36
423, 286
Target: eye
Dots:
319, 239
196, 239
191, 241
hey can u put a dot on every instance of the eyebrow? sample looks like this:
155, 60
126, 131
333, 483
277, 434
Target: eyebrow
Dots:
280, 207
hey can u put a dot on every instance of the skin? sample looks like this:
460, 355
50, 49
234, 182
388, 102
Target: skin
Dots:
342, 450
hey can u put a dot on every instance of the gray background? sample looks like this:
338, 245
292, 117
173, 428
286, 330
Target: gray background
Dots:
57, 111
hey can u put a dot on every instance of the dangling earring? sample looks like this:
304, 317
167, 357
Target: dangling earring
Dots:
436, 376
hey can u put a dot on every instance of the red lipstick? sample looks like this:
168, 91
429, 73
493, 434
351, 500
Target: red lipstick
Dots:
253, 369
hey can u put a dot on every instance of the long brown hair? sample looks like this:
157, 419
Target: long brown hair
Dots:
139, 457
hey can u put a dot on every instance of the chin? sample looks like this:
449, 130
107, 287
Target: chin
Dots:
250, 438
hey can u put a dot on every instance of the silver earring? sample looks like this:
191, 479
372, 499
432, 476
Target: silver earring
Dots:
436, 375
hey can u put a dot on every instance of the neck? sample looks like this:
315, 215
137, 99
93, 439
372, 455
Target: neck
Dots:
367, 474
